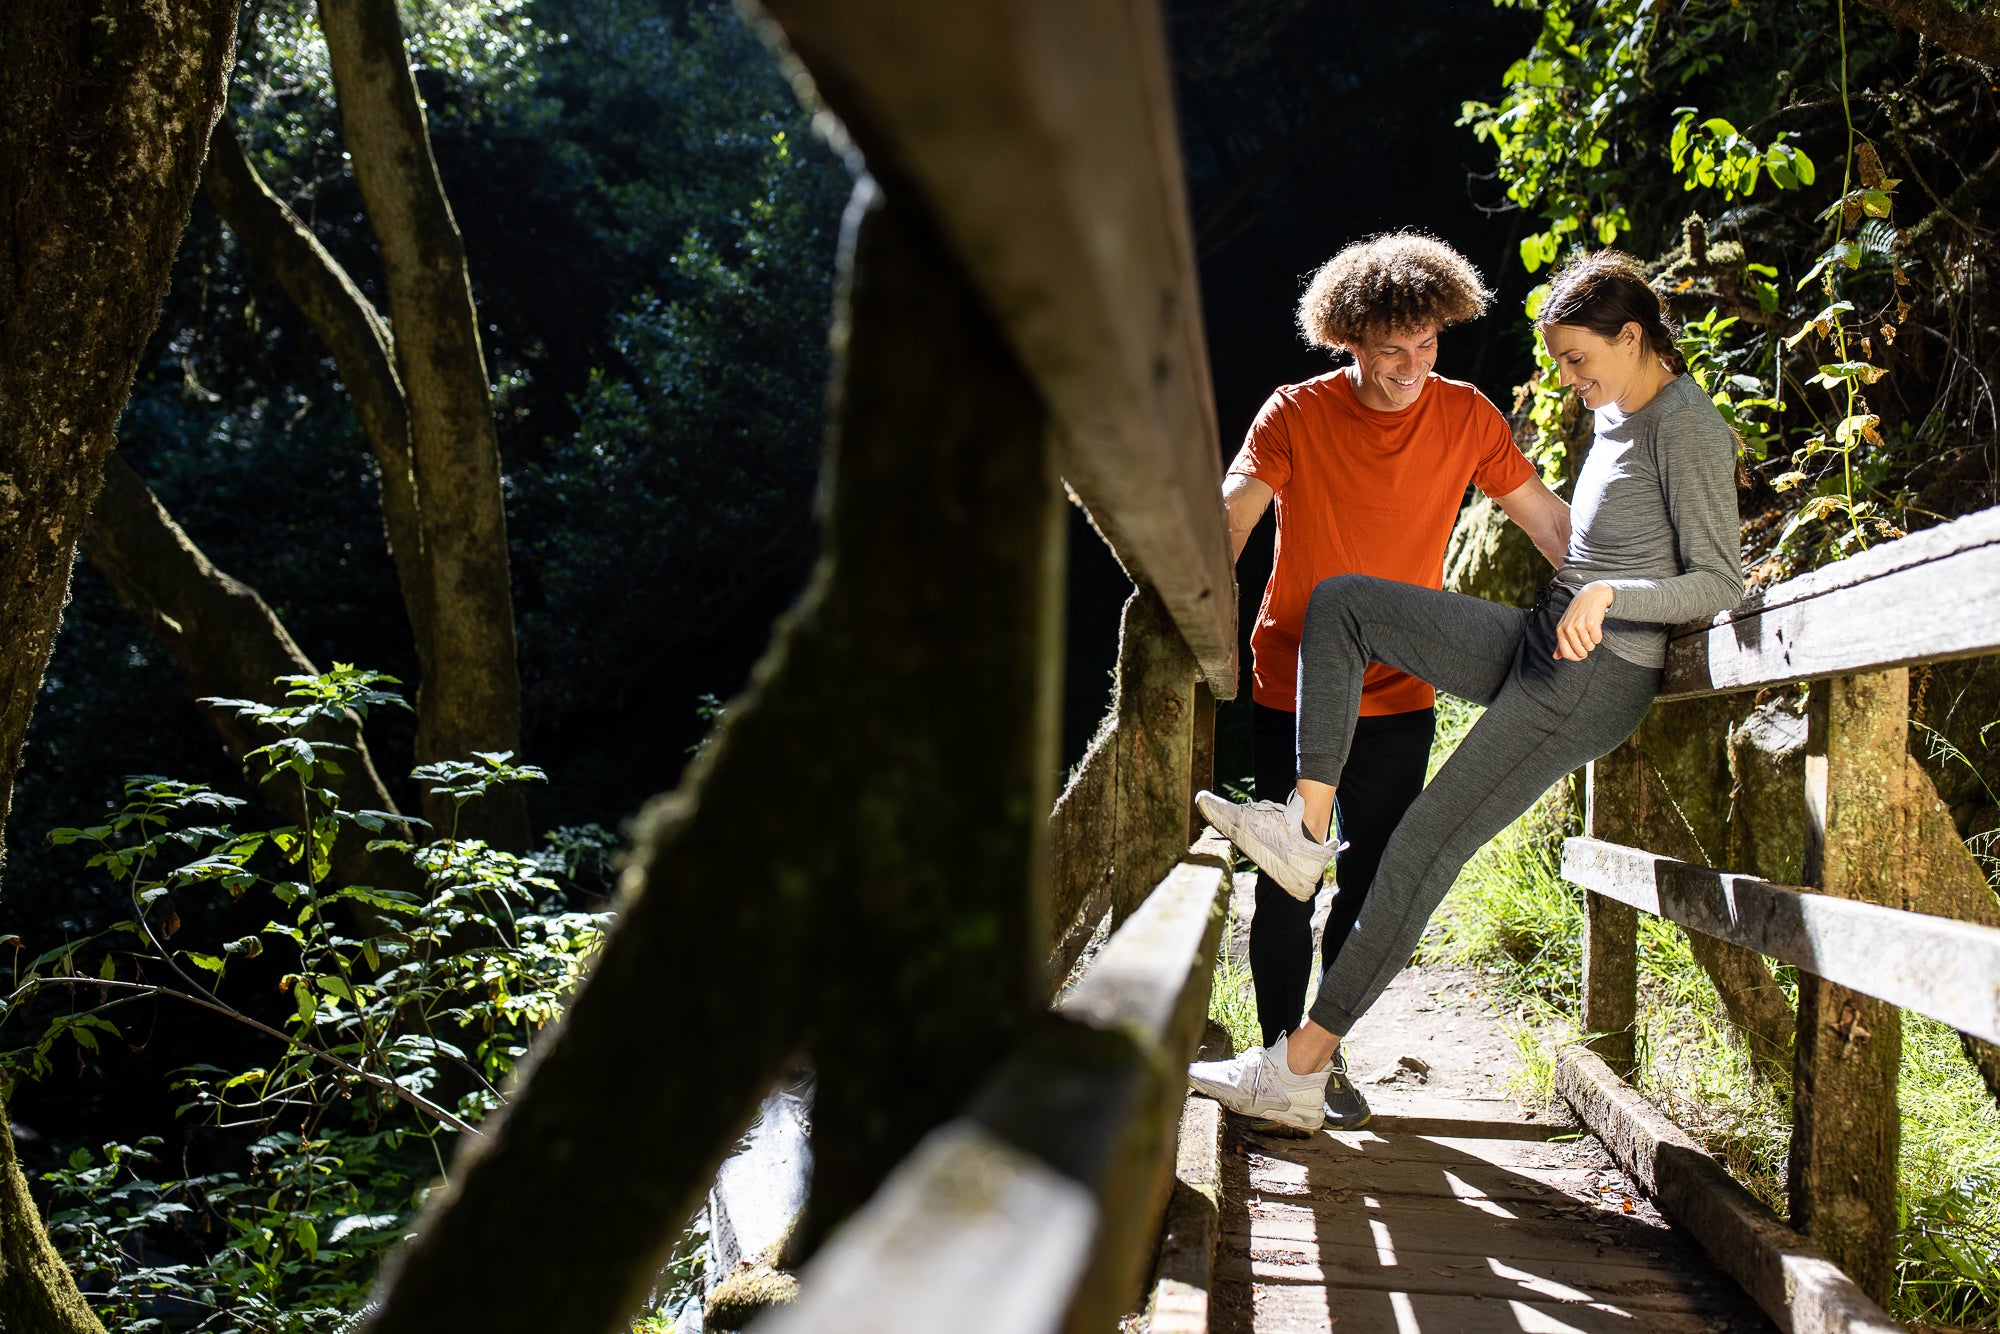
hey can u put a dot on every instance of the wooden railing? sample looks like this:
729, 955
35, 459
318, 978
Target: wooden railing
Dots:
1041, 137
1042, 134
1038, 1209
1853, 630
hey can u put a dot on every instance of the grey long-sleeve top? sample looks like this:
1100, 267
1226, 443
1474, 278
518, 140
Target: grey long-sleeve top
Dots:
1654, 516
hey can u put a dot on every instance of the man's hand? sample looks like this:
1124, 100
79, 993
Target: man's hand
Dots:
1246, 499
1582, 626
1542, 515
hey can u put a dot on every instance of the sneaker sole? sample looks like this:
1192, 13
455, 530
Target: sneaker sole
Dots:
1264, 1125
1256, 1120
1262, 854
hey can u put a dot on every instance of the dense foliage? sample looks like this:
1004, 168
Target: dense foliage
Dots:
650, 226
1825, 257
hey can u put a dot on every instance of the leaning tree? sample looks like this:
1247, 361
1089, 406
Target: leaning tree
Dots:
105, 111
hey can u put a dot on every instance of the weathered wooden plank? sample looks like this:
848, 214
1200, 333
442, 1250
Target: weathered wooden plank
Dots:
1948, 970
1422, 1225
1846, 1127
969, 1234
1610, 990
909, 702
1038, 1209
1289, 1306
1924, 598
1642, 1287
1799, 1288
1042, 135
1185, 1270
1122, 821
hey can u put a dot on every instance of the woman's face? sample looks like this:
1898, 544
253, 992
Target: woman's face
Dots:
1600, 369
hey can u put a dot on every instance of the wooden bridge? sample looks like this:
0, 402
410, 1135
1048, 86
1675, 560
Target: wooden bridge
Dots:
863, 869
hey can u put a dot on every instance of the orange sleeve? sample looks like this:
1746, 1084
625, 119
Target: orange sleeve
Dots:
1267, 449
1502, 467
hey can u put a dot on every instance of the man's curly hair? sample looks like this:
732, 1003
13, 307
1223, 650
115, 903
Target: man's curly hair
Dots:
1390, 283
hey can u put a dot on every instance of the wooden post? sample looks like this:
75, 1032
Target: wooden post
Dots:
856, 864
1156, 732
940, 923
1124, 819
1202, 771
1610, 928
1846, 1128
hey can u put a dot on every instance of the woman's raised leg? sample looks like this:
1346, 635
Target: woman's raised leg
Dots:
1464, 646
1550, 719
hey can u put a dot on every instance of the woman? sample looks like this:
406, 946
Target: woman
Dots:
1654, 541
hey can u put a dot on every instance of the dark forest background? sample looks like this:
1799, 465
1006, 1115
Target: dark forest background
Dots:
651, 223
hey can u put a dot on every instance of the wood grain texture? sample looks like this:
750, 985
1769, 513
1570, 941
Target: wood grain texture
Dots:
1924, 598
1610, 990
1846, 1126
1042, 135
1936, 966
1123, 819
1185, 1270
1801, 1290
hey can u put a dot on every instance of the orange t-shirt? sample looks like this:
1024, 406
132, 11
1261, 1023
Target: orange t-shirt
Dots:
1364, 492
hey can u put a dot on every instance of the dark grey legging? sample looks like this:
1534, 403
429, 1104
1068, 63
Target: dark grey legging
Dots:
1544, 717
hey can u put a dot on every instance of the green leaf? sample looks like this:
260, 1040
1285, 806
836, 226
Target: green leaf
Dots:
108, 969
207, 962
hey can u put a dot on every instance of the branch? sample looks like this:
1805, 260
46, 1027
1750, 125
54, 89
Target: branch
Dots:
352, 330
142, 990
1974, 191
1972, 33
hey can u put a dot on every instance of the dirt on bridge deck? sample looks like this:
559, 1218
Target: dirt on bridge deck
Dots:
1457, 1209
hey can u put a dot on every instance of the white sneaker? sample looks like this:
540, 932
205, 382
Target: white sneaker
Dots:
1259, 1083
1272, 836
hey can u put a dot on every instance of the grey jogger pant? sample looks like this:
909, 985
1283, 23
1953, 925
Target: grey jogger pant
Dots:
1544, 717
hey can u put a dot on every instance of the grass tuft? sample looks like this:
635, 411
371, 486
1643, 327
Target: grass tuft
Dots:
1231, 1002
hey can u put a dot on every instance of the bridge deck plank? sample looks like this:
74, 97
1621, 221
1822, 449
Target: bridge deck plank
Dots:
1467, 1227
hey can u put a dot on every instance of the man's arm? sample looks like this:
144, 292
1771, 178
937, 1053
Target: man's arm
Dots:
1246, 499
1542, 514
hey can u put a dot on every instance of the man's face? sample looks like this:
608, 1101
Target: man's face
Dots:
1390, 366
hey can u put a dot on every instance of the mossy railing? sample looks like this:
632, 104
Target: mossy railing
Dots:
1877, 931
858, 871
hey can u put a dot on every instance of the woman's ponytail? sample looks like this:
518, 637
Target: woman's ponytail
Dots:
1604, 292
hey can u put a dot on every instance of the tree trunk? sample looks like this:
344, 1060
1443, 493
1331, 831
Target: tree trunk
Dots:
354, 331
104, 115
470, 697
1972, 31
229, 643
37, 1293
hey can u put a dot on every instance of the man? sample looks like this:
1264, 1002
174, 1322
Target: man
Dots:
1368, 465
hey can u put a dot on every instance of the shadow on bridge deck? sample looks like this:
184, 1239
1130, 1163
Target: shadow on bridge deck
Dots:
1401, 1232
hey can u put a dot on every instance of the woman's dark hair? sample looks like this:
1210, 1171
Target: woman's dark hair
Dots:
1603, 293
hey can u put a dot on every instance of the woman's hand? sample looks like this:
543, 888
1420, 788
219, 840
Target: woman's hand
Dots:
1582, 626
